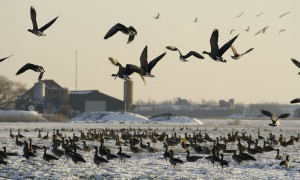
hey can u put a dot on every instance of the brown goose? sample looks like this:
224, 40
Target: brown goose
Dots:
86, 147
174, 161
48, 157
286, 162
121, 155
216, 52
236, 55
11, 134
35, 30
191, 158
131, 31
275, 121
184, 57
98, 159
151, 149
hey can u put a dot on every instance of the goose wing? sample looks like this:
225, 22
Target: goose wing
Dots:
226, 46
283, 14
155, 61
193, 53
268, 113
172, 48
46, 26
115, 29
130, 68
214, 42
143, 60
239, 15
249, 50
40, 76
33, 18
282, 116
130, 38
297, 63
297, 100
2, 59
31, 67
234, 51
114, 61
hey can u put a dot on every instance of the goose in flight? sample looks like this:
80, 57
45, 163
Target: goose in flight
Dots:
147, 67
248, 29
125, 72
263, 30
33, 67
297, 63
236, 55
296, 100
131, 31
281, 30
196, 20
275, 121
283, 14
35, 30
239, 15
184, 57
259, 14
156, 17
2, 59
216, 52
231, 31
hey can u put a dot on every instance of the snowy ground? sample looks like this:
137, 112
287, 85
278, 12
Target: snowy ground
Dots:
146, 165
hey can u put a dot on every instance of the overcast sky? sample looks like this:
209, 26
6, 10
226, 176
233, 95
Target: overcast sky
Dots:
264, 75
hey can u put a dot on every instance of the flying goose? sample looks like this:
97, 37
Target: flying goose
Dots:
283, 14
263, 30
216, 52
259, 14
239, 15
236, 55
35, 30
196, 20
297, 63
248, 29
2, 59
184, 57
156, 17
275, 122
125, 72
147, 67
33, 67
131, 31
281, 30
231, 31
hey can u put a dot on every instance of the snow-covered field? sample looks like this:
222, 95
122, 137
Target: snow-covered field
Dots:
150, 166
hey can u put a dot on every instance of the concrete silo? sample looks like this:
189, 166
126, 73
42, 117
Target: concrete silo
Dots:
39, 90
128, 96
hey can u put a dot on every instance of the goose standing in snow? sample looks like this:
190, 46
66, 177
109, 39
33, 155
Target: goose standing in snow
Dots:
35, 30
131, 31
275, 121
125, 72
174, 161
286, 162
147, 67
184, 57
121, 155
48, 157
216, 52
2, 59
33, 67
236, 55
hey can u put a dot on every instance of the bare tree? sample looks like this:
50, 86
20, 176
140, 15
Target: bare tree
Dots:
9, 91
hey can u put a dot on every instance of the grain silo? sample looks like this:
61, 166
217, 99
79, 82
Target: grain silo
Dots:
39, 90
128, 96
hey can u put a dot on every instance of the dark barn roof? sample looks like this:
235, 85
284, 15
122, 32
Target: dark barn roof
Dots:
78, 98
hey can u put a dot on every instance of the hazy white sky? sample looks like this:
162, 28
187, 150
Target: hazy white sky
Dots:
265, 74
